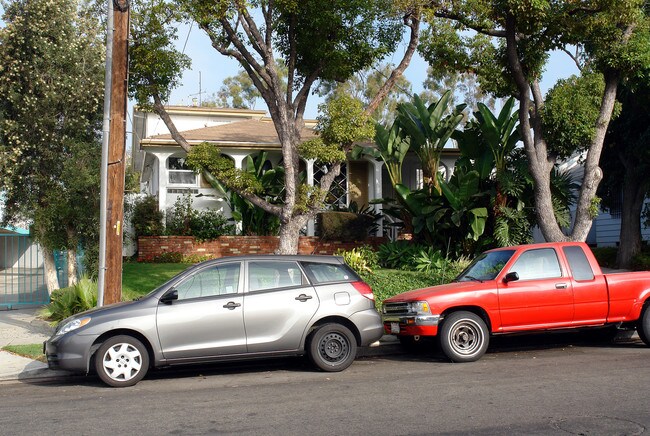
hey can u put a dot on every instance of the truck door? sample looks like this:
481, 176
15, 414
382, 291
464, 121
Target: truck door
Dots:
542, 297
589, 290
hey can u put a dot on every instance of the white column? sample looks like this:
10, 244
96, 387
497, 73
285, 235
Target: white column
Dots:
310, 182
376, 189
163, 180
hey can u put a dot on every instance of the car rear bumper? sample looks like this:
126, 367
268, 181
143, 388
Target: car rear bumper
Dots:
369, 324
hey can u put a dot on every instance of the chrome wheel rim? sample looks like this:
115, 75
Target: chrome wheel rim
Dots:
334, 347
466, 337
122, 362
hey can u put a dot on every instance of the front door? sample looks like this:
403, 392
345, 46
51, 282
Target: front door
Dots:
207, 319
278, 305
541, 298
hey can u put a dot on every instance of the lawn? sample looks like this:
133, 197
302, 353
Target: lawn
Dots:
31, 351
140, 278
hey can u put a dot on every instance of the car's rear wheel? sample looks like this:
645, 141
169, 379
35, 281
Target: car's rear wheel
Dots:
464, 337
121, 361
643, 325
332, 347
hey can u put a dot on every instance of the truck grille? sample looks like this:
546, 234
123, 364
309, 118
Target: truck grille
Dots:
396, 308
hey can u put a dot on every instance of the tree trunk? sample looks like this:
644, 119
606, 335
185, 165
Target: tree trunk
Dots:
51, 280
72, 267
290, 235
634, 193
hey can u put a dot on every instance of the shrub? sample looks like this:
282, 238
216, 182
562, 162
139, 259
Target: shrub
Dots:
386, 283
71, 300
641, 262
178, 257
344, 226
146, 218
606, 256
184, 220
361, 259
397, 254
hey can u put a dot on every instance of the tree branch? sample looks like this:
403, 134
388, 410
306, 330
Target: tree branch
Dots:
159, 109
411, 20
469, 24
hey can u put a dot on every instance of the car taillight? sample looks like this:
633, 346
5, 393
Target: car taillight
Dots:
364, 289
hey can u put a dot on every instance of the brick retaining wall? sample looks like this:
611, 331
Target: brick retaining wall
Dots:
151, 247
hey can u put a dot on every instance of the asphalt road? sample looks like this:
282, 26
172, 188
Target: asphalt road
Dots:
540, 386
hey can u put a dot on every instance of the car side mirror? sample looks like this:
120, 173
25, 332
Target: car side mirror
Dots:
511, 277
169, 296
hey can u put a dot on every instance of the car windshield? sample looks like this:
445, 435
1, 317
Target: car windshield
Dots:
486, 267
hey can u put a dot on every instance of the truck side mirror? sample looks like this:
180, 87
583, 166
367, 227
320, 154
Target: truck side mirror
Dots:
511, 277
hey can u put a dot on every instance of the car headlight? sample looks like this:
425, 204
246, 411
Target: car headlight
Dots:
420, 307
73, 325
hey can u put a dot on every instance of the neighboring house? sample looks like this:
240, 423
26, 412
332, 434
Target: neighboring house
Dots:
239, 133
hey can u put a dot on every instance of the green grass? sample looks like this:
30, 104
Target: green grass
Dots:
31, 351
141, 278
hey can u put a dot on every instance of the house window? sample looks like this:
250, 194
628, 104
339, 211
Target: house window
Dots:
338, 194
179, 173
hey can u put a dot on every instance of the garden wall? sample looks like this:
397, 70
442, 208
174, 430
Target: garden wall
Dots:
152, 247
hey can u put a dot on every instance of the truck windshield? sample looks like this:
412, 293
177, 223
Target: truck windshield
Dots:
485, 267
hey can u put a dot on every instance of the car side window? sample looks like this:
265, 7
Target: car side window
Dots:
273, 274
537, 264
578, 263
326, 272
213, 281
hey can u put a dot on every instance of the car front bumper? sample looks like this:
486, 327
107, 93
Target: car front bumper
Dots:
411, 325
69, 352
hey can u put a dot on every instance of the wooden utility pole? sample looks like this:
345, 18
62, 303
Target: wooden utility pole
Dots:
116, 154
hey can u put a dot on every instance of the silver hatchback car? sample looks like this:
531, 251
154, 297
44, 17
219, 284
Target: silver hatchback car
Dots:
225, 309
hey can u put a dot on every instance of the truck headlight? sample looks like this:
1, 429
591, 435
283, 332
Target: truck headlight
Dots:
420, 307
72, 325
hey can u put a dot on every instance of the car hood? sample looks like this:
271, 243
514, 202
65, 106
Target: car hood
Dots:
440, 290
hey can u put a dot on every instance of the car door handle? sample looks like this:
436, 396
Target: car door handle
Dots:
561, 286
231, 305
303, 297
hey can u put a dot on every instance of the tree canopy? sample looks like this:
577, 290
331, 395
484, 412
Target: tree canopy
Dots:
51, 89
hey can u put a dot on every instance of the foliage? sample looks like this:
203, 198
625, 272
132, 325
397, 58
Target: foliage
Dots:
51, 88
344, 226
396, 254
606, 256
361, 259
315, 41
571, 112
146, 218
71, 300
205, 225
364, 85
428, 128
506, 44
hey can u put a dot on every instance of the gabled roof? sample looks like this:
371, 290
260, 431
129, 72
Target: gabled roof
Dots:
253, 132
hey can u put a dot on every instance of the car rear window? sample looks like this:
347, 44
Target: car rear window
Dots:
329, 272
578, 263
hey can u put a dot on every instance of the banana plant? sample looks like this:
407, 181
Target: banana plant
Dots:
428, 129
390, 146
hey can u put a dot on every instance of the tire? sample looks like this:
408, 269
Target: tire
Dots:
332, 348
643, 325
121, 361
464, 337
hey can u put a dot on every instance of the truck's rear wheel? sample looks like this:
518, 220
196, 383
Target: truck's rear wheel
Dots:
464, 337
643, 325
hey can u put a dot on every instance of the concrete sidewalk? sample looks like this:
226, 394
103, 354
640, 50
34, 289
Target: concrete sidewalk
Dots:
21, 327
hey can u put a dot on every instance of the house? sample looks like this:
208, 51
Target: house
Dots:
239, 133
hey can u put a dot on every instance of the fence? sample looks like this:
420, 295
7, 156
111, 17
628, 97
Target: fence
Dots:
22, 274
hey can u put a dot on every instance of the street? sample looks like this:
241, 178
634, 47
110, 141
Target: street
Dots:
559, 385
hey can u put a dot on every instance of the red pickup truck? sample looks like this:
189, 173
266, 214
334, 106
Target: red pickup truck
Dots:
518, 289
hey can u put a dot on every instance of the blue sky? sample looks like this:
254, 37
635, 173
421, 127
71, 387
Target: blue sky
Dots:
213, 68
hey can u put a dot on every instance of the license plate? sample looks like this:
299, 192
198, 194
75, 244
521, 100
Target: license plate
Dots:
394, 327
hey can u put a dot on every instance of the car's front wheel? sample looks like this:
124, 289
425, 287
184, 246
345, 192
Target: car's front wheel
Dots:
121, 361
464, 337
332, 347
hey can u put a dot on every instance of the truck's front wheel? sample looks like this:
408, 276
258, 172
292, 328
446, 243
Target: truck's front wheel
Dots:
643, 325
464, 337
